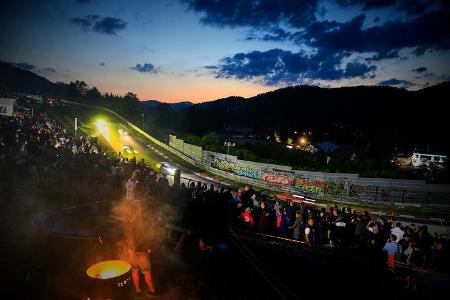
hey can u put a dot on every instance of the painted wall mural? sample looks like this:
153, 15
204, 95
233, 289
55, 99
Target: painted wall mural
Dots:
249, 172
277, 178
335, 188
224, 165
309, 185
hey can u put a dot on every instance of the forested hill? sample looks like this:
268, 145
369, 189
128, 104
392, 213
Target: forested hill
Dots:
376, 117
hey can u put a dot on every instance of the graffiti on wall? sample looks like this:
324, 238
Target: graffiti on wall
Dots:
224, 165
335, 188
309, 185
277, 178
248, 172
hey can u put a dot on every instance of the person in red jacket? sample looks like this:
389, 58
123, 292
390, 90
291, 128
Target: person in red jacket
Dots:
247, 218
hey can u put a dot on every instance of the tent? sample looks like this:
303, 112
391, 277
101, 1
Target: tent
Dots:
7, 106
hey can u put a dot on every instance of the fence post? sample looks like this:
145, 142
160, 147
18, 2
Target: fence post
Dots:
177, 177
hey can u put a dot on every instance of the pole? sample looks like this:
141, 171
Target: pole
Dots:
76, 127
142, 122
228, 144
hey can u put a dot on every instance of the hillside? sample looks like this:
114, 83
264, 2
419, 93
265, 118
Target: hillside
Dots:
175, 106
378, 119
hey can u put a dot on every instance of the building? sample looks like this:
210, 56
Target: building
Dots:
426, 160
7, 106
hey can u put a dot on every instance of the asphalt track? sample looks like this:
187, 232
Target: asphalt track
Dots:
99, 122
148, 151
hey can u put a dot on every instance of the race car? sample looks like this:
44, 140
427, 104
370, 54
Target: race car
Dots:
166, 168
127, 149
122, 132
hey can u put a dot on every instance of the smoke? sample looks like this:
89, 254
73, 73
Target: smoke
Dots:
143, 226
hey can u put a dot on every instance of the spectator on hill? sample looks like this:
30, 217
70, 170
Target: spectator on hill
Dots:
397, 231
142, 165
310, 232
291, 212
131, 186
247, 219
297, 226
282, 221
392, 248
264, 218
247, 195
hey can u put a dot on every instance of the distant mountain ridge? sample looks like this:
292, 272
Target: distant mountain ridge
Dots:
175, 106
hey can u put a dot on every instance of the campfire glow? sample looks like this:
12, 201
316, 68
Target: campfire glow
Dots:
108, 269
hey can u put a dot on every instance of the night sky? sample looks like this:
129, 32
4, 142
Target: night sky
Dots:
199, 50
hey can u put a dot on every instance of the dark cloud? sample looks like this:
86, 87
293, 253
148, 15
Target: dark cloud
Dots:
418, 6
211, 67
109, 25
429, 31
23, 66
145, 68
396, 82
85, 1
412, 7
367, 4
86, 21
424, 30
102, 64
420, 70
106, 25
280, 67
357, 69
260, 13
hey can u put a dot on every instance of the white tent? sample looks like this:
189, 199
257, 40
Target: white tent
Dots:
7, 106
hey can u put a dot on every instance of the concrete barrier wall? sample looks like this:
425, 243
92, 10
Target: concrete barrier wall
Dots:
192, 151
333, 186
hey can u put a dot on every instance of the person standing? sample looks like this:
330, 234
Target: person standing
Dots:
131, 185
310, 232
137, 246
297, 226
392, 248
282, 222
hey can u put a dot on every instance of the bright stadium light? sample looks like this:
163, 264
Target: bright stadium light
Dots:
102, 129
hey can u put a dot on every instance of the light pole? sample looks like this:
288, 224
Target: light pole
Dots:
228, 145
76, 127
142, 121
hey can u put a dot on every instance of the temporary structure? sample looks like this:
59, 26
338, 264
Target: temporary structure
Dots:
7, 106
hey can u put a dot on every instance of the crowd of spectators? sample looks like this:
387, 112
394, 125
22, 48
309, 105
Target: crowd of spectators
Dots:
51, 158
343, 229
